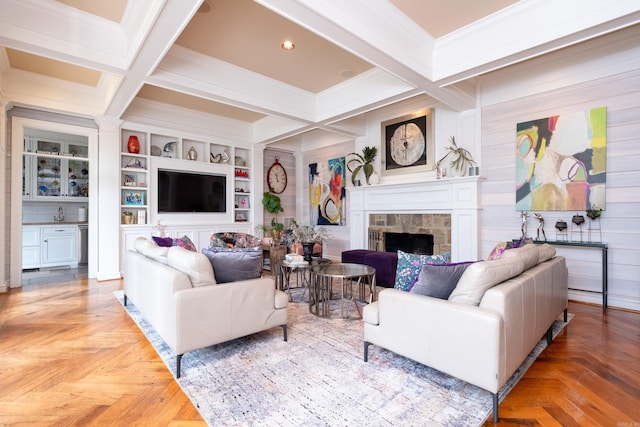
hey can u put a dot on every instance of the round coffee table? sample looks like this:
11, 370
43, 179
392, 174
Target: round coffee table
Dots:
320, 288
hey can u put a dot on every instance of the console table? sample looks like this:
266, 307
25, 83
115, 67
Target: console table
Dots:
602, 246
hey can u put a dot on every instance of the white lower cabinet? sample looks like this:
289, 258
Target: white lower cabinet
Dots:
59, 246
49, 246
31, 246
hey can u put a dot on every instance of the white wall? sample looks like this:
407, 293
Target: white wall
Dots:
605, 72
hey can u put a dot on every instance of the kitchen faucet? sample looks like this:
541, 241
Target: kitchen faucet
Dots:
60, 216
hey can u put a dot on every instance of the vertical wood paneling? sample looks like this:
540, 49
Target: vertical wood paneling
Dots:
620, 223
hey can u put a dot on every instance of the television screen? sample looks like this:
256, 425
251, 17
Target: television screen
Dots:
191, 192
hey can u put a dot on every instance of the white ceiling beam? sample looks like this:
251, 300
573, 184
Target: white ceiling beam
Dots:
165, 30
525, 30
402, 48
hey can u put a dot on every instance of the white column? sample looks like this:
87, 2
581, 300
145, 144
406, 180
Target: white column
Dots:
108, 215
6, 225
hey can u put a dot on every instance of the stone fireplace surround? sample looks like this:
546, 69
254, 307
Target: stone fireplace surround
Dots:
458, 198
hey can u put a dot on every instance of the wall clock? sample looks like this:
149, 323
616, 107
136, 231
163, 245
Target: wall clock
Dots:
277, 177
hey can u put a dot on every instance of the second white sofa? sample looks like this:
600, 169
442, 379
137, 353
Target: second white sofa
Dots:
505, 307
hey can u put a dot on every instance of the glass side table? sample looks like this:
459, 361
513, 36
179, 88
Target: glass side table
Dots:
302, 274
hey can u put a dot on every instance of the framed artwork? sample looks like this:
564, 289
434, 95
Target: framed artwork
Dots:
130, 180
408, 144
561, 162
131, 198
327, 193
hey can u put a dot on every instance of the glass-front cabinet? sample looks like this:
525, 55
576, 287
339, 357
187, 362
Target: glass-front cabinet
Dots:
54, 170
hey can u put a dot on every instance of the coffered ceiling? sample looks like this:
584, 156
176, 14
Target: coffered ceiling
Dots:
222, 59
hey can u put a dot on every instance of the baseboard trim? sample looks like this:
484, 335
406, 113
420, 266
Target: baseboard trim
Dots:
101, 277
596, 298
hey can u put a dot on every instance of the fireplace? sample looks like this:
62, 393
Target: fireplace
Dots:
409, 242
448, 209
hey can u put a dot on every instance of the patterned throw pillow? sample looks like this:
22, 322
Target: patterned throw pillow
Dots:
185, 242
409, 266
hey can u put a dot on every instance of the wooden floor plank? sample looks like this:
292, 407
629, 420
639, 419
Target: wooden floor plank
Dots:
70, 355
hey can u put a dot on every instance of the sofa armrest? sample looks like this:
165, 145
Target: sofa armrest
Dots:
462, 340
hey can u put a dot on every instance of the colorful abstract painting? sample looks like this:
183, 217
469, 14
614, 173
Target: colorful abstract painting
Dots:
561, 162
327, 193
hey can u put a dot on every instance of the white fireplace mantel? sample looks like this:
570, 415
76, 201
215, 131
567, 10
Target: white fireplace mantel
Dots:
459, 197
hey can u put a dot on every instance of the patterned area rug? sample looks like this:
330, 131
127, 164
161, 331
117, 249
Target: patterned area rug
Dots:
318, 378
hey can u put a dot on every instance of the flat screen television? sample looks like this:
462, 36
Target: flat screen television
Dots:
181, 192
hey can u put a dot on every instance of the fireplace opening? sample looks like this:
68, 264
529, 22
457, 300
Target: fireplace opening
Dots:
421, 244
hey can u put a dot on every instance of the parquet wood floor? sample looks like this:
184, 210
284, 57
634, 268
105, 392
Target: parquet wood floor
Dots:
69, 355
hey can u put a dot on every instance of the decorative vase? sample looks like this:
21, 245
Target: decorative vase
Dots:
275, 235
374, 179
192, 154
307, 250
133, 145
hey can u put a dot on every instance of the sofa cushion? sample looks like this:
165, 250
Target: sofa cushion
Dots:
409, 266
545, 252
483, 275
528, 253
149, 249
439, 281
193, 264
231, 265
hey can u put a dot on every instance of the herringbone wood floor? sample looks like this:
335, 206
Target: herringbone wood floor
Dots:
70, 355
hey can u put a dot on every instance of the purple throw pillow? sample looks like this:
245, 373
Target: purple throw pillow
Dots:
166, 242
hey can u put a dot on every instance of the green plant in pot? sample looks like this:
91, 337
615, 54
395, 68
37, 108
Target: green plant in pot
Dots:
362, 162
460, 158
273, 205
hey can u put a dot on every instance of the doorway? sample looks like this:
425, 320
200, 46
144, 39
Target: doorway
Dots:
51, 172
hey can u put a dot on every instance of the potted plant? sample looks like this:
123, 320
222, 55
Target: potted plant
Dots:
363, 162
308, 235
273, 205
460, 160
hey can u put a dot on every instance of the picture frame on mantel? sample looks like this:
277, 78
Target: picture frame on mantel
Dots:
408, 143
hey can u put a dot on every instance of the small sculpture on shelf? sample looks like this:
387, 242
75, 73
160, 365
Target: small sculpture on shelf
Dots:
577, 220
540, 226
594, 223
561, 230
523, 227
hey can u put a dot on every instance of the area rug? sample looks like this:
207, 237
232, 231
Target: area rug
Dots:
318, 378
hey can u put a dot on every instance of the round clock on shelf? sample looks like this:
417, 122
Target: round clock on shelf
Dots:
277, 177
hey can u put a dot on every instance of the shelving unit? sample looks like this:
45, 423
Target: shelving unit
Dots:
55, 170
242, 186
135, 176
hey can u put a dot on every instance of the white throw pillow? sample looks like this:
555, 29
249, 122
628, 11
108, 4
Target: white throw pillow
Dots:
193, 264
483, 275
528, 254
545, 252
150, 249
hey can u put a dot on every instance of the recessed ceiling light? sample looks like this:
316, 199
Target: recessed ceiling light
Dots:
347, 74
288, 45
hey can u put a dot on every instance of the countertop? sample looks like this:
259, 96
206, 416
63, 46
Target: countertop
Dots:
57, 223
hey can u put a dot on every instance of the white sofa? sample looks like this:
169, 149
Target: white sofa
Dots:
485, 337
175, 291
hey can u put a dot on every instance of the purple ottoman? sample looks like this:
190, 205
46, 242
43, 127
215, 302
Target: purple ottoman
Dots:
385, 264
354, 256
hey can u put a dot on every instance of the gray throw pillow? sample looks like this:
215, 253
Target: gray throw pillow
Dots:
233, 265
439, 281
